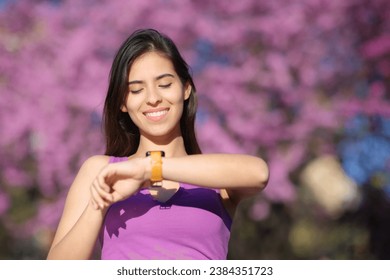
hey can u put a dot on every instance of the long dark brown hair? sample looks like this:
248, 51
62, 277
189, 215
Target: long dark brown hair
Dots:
122, 135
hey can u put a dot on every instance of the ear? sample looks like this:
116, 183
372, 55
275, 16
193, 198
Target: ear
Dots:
124, 109
187, 91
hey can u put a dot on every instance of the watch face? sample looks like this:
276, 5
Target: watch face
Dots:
149, 153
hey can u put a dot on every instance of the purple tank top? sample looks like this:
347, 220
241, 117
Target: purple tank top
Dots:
192, 224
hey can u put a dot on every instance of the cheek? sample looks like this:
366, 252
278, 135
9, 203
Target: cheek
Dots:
176, 97
132, 111
133, 102
136, 119
132, 108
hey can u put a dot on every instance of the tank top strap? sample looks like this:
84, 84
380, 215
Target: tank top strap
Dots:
114, 159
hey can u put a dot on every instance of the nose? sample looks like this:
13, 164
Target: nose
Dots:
153, 97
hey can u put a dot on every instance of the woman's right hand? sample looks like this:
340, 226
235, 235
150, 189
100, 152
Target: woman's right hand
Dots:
118, 181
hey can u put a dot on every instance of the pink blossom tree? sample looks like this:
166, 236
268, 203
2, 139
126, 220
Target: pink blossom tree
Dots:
276, 79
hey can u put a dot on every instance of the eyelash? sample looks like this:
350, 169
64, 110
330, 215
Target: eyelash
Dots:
135, 91
161, 86
165, 86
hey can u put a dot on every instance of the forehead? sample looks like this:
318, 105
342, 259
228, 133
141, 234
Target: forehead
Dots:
150, 64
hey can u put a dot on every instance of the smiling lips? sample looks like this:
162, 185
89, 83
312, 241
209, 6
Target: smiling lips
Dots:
156, 115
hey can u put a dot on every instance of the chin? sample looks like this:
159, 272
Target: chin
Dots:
163, 133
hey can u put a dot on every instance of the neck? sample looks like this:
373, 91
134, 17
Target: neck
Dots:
172, 147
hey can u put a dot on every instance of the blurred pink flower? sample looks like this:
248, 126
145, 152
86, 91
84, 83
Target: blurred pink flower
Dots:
279, 76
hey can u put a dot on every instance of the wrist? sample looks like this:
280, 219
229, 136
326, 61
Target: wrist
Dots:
147, 168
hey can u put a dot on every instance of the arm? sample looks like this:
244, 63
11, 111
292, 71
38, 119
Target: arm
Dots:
87, 203
217, 171
80, 222
241, 175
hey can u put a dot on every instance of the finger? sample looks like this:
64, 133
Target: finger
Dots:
101, 181
116, 196
97, 200
93, 204
98, 196
108, 175
103, 190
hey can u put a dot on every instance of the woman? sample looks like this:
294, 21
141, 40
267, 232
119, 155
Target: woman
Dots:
153, 195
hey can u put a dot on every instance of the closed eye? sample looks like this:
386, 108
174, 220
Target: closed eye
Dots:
165, 86
136, 91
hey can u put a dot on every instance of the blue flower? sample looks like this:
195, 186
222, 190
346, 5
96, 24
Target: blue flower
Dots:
365, 150
207, 54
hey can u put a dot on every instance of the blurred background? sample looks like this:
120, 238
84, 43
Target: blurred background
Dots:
304, 84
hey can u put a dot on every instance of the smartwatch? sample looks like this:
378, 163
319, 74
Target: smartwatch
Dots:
156, 161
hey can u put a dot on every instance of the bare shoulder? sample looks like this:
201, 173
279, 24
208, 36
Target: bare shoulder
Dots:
89, 169
79, 190
79, 194
95, 162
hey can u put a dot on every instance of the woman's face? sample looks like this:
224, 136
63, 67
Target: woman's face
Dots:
155, 96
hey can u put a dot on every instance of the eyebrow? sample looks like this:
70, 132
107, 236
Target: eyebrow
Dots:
157, 78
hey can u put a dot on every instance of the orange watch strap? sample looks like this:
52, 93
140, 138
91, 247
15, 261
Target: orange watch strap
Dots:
156, 158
